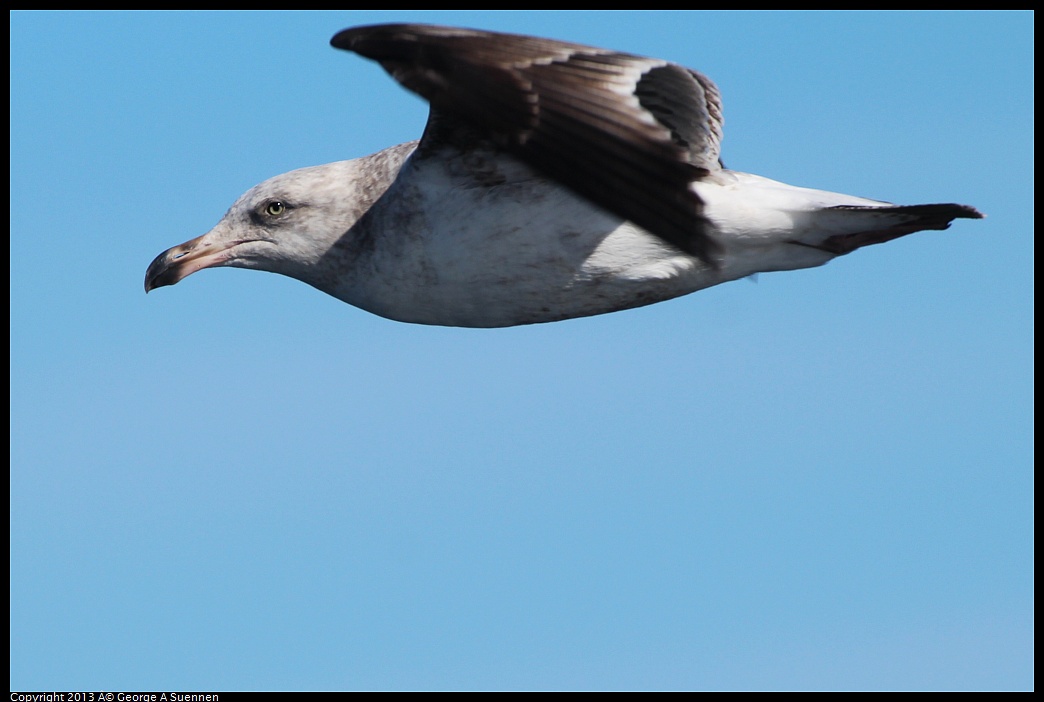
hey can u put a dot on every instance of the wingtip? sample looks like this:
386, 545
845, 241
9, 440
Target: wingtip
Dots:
343, 39
370, 40
347, 38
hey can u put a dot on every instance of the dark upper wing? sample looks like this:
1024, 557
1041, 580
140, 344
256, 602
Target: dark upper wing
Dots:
626, 132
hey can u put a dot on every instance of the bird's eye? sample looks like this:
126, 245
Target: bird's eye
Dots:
275, 208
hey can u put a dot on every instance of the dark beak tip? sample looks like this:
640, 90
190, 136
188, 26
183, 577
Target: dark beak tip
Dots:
159, 273
176, 263
159, 280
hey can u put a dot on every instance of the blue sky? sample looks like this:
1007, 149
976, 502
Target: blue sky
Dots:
816, 480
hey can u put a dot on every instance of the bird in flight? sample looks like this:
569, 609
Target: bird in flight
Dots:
553, 180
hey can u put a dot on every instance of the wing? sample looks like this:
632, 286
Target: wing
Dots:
626, 132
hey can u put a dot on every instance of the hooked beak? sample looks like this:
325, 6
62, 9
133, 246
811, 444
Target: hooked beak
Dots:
183, 260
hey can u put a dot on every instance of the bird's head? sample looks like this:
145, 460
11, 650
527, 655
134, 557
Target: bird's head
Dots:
284, 225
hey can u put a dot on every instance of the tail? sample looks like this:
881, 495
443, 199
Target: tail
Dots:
866, 225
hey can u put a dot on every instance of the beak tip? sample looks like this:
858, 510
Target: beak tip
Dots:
181, 261
154, 275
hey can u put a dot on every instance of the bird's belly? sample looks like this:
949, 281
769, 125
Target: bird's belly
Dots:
523, 253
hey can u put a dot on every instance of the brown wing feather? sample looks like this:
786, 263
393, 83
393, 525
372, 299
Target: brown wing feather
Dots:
626, 132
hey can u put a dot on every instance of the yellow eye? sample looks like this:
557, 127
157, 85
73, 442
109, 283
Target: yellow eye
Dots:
275, 208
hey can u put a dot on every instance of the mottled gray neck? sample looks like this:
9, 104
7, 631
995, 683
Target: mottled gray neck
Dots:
335, 221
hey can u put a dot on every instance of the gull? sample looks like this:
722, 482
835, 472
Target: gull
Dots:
552, 181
